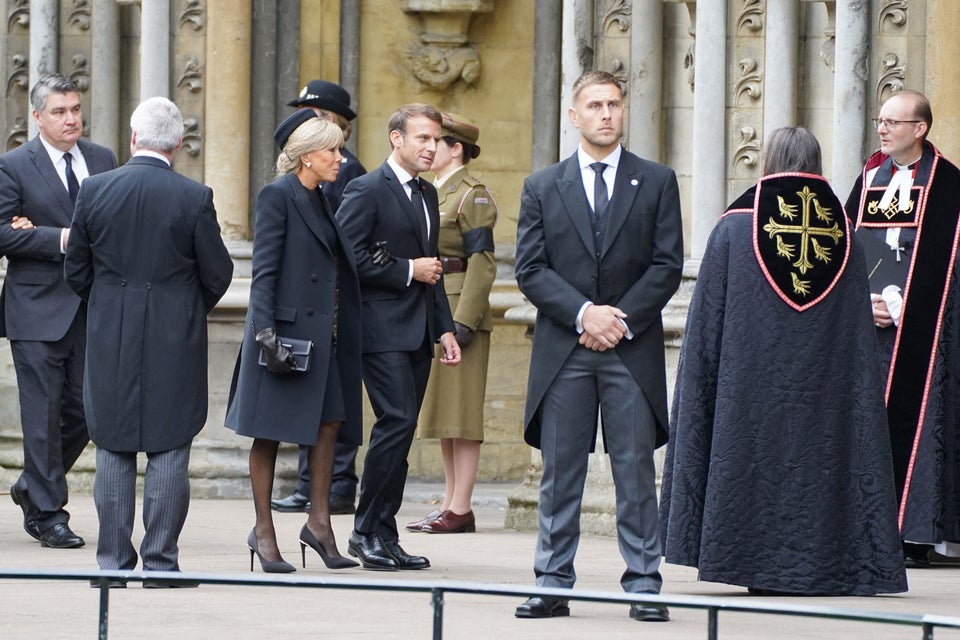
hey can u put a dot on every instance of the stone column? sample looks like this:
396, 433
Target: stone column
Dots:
155, 48
646, 80
709, 192
227, 118
577, 28
105, 75
263, 105
546, 90
350, 60
943, 51
44, 54
781, 60
850, 93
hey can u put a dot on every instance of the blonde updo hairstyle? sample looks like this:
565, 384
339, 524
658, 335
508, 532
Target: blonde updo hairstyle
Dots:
315, 134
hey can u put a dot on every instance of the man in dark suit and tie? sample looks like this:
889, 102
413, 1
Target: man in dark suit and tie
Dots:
599, 252
147, 255
405, 311
43, 319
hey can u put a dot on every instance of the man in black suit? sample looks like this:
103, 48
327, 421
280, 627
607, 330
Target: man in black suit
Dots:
43, 319
331, 102
599, 252
146, 253
405, 311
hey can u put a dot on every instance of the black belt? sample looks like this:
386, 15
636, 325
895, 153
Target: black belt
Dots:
454, 265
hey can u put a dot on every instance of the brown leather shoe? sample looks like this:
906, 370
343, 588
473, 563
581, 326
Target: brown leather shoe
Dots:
450, 522
419, 524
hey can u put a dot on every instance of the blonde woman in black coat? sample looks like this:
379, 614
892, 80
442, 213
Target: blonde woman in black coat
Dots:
304, 287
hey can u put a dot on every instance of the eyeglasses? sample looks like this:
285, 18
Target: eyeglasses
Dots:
891, 124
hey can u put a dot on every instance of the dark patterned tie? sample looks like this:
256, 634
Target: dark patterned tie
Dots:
73, 185
600, 200
417, 199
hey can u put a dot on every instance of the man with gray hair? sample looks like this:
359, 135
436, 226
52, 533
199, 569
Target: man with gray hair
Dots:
43, 319
146, 252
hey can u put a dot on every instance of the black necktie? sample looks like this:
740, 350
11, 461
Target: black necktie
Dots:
417, 199
73, 185
600, 200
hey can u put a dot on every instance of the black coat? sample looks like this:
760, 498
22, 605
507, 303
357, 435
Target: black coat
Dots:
638, 270
145, 252
375, 207
294, 290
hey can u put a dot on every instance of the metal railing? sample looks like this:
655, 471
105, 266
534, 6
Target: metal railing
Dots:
713, 606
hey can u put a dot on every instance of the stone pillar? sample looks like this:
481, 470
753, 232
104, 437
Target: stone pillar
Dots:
227, 118
546, 90
155, 48
350, 60
577, 28
850, 93
709, 192
105, 75
264, 108
781, 60
646, 81
44, 55
943, 51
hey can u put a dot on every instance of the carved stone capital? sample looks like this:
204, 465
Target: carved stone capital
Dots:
444, 55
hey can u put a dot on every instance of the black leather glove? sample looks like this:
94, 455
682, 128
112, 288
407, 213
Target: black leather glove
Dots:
380, 254
464, 335
279, 358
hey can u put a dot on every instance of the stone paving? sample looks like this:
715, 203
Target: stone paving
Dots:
214, 542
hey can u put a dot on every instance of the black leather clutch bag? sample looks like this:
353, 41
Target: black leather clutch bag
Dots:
302, 351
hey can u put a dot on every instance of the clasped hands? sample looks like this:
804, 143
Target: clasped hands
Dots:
603, 327
427, 270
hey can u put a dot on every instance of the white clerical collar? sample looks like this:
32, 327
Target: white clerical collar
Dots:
900, 184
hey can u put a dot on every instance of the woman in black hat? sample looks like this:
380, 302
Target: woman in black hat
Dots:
305, 288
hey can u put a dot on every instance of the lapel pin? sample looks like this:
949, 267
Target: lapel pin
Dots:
634, 182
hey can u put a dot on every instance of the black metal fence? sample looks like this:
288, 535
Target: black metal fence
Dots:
713, 606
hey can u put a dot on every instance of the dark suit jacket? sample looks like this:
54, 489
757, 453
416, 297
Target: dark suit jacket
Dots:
294, 289
348, 171
638, 270
375, 207
36, 304
145, 252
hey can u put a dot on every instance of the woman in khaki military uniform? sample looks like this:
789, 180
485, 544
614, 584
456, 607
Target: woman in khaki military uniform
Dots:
453, 407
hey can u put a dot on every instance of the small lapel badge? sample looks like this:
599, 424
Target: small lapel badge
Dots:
634, 182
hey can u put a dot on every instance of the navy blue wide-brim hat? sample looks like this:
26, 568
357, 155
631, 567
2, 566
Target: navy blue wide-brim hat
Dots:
290, 124
325, 95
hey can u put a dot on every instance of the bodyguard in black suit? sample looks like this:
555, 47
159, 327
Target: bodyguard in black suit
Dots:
42, 317
147, 255
404, 312
599, 252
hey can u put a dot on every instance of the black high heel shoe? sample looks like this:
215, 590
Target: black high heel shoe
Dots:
307, 539
268, 566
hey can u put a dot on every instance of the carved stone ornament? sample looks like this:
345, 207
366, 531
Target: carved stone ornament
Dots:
618, 14
192, 15
749, 82
828, 50
748, 151
191, 78
443, 55
19, 15
80, 71
19, 75
79, 15
192, 141
751, 16
894, 11
689, 60
892, 74
18, 133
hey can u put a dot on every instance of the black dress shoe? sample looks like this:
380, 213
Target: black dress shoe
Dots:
404, 559
59, 536
543, 607
373, 554
916, 556
30, 512
340, 504
158, 583
293, 503
649, 612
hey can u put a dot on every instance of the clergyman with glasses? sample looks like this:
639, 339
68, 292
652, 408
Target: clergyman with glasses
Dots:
906, 209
